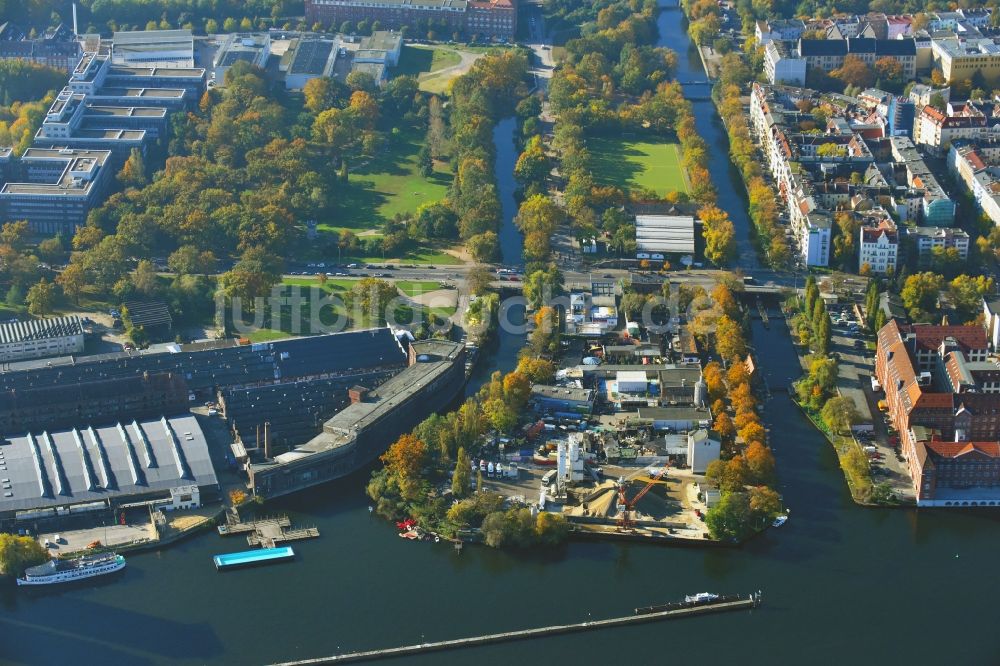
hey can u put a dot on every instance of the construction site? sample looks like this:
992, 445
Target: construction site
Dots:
613, 500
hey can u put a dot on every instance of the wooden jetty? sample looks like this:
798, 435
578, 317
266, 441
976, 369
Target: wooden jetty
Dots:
720, 606
266, 532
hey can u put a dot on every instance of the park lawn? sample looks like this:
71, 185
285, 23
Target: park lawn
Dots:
630, 164
331, 284
416, 60
417, 287
386, 185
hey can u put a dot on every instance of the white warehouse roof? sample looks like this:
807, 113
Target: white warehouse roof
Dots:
664, 233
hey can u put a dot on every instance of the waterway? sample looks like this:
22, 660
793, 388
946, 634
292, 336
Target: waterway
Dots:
729, 185
840, 583
502, 353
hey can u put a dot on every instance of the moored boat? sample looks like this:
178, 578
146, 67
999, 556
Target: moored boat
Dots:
701, 597
78, 568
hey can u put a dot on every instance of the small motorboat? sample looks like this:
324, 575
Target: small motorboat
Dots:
779, 521
701, 597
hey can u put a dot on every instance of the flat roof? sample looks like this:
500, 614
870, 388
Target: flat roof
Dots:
562, 392
128, 36
311, 56
342, 428
165, 93
40, 470
125, 111
173, 72
674, 413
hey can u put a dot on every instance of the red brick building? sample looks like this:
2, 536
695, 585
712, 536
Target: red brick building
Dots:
482, 19
943, 396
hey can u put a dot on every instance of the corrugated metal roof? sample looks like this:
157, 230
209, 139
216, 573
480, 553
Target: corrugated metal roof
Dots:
40, 329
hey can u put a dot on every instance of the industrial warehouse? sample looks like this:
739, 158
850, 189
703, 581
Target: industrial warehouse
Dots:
116, 430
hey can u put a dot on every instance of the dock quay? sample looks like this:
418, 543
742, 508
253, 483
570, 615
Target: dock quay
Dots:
720, 606
266, 532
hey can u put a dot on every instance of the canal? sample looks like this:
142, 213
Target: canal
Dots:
728, 182
840, 583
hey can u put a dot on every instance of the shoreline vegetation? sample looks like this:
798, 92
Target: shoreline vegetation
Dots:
732, 78
817, 396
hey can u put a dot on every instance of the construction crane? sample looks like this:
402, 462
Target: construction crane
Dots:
626, 507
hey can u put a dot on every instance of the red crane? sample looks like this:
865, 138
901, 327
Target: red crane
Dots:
626, 507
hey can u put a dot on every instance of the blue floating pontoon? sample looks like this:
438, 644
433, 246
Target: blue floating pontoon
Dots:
251, 557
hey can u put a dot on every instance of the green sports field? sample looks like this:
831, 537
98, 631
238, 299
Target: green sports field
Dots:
631, 164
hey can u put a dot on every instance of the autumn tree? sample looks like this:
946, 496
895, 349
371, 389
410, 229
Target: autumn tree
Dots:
724, 426
72, 280
133, 173
760, 462
41, 297
404, 461
854, 72
729, 342
538, 370
765, 502
719, 234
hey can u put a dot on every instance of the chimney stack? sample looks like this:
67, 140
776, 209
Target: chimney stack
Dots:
76, 31
267, 442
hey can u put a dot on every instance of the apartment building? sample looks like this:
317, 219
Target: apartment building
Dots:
976, 164
780, 30
57, 48
878, 248
925, 239
782, 66
829, 54
961, 58
936, 130
941, 391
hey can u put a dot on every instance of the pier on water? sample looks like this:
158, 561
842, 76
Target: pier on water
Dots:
266, 532
642, 616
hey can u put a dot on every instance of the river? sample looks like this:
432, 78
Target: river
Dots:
839, 582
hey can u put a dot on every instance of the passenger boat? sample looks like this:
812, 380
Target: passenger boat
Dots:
779, 521
700, 598
64, 571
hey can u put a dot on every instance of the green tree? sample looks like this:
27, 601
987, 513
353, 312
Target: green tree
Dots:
41, 297
550, 528
144, 278
920, 294
14, 234
461, 477
730, 519
484, 247
19, 552
840, 413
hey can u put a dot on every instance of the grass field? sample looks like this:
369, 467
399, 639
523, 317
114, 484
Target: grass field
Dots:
330, 314
387, 185
630, 164
416, 60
